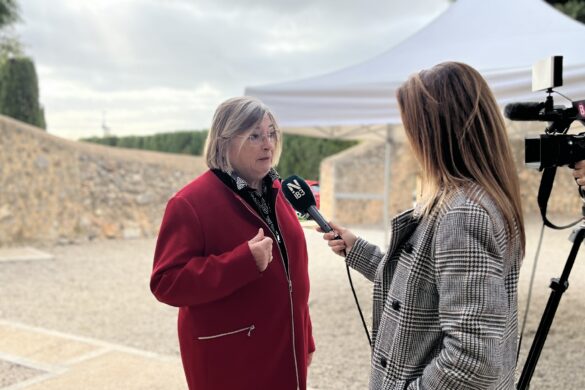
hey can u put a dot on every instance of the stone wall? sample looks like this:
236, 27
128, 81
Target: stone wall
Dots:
57, 191
360, 171
352, 183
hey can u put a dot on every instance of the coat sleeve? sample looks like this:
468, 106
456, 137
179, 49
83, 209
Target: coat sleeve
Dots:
309, 331
473, 303
182, 274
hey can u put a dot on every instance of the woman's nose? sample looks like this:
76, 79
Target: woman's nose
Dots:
267, 143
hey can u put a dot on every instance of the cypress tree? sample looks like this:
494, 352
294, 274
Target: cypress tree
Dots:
19, 91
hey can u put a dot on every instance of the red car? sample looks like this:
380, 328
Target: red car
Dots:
315, 190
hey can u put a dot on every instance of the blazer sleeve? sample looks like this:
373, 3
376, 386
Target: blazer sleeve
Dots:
473, 303
364, 257
182, 274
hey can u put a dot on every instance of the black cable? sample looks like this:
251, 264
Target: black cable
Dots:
357, 303
358, 306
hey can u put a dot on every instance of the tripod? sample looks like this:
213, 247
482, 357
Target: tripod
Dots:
558, 286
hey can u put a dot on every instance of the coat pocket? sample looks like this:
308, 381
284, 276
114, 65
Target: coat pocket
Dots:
247, 329
227, 359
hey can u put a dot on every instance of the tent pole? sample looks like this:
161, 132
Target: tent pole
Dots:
386, 214
334, 200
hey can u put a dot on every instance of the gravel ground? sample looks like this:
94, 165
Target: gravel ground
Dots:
100, 290
11, 373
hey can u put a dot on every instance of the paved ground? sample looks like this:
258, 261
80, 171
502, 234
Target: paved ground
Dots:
86, 319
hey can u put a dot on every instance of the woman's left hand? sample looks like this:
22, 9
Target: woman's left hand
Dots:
309, 358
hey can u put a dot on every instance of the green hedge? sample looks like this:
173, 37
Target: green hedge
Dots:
301, 155
183, 142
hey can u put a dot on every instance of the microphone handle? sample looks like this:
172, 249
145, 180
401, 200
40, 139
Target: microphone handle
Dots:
323, 224
317, 217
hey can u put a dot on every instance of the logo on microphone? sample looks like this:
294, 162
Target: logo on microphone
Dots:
295, 188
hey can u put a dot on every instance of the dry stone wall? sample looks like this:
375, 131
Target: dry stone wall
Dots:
57, 191
360, 170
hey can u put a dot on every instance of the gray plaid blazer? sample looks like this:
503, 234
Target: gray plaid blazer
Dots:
445, 297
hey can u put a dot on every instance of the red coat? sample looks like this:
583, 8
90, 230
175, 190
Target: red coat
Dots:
235, 323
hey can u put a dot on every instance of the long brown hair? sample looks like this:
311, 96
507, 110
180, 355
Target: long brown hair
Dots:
458, 135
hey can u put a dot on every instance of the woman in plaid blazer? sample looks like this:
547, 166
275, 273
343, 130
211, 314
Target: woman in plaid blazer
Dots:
445, 292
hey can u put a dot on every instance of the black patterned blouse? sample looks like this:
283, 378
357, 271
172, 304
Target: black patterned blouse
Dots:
262, 201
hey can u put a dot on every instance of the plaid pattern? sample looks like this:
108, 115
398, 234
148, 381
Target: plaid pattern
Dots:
445, 297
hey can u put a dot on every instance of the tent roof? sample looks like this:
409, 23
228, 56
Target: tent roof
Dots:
500, 38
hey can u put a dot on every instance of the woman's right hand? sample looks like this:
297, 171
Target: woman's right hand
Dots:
339, 246
579, 172
261, 248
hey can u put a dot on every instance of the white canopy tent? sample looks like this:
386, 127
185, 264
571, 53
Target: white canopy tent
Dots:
500, 38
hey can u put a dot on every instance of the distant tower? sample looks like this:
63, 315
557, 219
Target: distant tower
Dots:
105, 127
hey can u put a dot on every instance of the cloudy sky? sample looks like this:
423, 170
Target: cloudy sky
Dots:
152, 66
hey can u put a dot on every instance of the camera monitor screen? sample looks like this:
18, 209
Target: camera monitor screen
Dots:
547, 73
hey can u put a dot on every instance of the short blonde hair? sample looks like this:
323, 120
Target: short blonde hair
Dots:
234, 117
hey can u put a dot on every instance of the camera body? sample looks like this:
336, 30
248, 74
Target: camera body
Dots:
550, 150
554, 147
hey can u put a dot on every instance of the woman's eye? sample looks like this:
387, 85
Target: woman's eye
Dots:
254, 137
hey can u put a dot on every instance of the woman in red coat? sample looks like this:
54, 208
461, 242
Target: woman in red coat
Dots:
232, 256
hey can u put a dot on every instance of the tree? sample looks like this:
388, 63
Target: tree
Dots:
9, 44
8, 12
573, 8
19, 91
19, 87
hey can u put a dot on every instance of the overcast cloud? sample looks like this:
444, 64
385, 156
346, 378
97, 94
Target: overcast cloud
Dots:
163, 65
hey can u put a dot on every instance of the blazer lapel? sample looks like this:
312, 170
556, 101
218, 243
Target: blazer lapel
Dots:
401, 227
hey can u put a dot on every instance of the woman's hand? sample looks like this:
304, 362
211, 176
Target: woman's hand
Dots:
261, 248
339, 246
579, 172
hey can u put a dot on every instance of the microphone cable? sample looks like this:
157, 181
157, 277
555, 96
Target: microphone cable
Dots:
358, 306
357, 303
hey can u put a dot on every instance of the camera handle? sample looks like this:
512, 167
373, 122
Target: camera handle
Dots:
544, 190
558, 286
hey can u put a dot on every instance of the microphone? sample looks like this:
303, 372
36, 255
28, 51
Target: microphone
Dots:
299, 195
524, 111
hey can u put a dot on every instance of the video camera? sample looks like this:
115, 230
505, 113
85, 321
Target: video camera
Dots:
546, 152
554, 147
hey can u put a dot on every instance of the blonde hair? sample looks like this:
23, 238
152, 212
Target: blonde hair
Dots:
458, 135
234, 117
